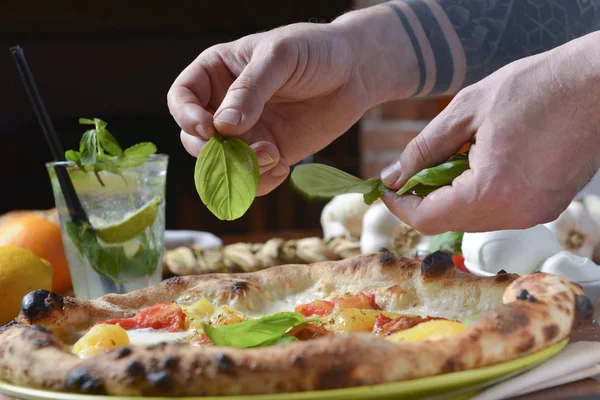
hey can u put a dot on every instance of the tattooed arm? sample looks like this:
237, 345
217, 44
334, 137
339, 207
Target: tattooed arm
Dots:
458, 42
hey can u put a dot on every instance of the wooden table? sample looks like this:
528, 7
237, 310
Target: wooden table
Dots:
591, 332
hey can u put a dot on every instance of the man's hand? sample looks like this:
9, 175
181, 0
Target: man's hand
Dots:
535, 129
291, 91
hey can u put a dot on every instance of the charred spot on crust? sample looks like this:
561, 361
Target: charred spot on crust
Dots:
501, 272
298, 360
239, 286
436, 263
502, 277
123, 352
170, 362
550, 332
176, 280
334, 377
508, 320
451, 365
387, 258
224, 362
523, 294
383, 250
80, 379
41, 328
355, 265
159, 379
40, 302
526, 345
43, 342
584, 310
134, 369
11, 323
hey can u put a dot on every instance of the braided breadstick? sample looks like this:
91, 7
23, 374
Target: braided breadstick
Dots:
248, 257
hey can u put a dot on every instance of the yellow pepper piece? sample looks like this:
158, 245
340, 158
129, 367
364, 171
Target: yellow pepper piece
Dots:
99, 338
430, 330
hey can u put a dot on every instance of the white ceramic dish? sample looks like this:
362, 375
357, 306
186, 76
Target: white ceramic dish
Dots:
180, 238
592, 290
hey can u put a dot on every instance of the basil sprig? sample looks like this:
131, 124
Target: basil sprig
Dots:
430, 179
318, 181
260, 332
226, 177
324, 182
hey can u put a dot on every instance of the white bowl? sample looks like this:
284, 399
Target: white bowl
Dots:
174, 239
591, 290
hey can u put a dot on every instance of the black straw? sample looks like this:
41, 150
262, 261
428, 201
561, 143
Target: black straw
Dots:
76, 211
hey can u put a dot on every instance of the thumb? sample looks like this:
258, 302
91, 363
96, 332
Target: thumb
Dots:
245, 100
442, 138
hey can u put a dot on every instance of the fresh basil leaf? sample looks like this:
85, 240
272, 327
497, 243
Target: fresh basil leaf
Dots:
109, 143
430, 179
259, 332
88, 147
73, 156
281, 340
86, 121
112, 262
227, 176
324, 182
450, 242
99, 124
379, 189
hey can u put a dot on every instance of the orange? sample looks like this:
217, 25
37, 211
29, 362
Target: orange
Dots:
43, 238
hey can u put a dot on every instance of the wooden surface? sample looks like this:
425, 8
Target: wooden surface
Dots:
590, 332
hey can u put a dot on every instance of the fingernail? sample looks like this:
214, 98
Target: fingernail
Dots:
229, 116
279, 171
264, 159
199, 130
391, 173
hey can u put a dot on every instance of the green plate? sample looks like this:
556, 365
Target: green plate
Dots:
461, 385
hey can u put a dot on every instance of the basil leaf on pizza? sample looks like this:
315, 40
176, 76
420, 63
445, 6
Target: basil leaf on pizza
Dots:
227, 176
255, 332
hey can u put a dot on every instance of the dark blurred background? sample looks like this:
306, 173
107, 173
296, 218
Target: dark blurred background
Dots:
115, 60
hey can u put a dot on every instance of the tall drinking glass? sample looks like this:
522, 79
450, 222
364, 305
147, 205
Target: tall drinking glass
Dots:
127, 212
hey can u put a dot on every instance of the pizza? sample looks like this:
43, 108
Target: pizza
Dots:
365, 320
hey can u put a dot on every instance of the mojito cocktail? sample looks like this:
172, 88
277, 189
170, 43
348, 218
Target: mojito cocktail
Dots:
123, 194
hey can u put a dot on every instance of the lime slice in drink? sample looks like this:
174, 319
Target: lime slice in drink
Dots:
131, 225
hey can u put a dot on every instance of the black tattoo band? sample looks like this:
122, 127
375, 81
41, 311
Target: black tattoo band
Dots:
444, 66
418, 53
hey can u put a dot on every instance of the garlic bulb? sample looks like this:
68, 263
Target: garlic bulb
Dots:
382, 229
592, 204
576, 230
343, 216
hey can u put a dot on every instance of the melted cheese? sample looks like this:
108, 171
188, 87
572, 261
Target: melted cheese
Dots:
151, 336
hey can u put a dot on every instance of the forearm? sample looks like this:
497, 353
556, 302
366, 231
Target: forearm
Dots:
444, 45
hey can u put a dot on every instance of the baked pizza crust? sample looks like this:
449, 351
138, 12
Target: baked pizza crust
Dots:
524, 315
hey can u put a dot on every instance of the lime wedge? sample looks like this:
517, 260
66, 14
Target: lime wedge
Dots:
132, 225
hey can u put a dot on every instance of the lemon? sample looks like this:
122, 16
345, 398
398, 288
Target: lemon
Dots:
21, 272
132, 225
430, 330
